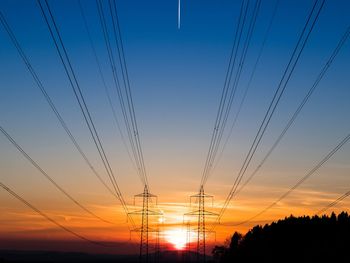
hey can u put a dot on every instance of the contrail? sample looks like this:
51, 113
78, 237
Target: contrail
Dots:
179, 14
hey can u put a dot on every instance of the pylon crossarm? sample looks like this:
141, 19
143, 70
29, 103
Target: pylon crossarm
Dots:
193, 213
197, 212
151, 195
137, 212
149, 212
145, 195
201, 195
155, 213
208, 213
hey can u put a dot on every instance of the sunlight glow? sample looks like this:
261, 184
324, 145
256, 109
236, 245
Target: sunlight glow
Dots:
177, 237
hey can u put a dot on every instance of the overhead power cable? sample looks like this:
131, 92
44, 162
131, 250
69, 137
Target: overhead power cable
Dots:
236, 81
224, 94
297, 51
118, 86
334, 203
36, 165
126, 80
230, 87
122, 83
98, 64
50, 102
247, 87
123, 88
302, 180
117, 83
6, 188
63, 55
325, 68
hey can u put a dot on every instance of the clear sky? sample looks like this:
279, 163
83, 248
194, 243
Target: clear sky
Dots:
177, 76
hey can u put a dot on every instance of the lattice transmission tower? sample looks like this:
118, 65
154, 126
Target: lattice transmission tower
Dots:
201, 213
145, 228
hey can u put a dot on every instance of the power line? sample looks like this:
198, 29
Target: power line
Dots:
301, 105
228, 92
226, 89
201, 213
98, 64
297, 51
335, 202
303, 179
62, 52
49, 100
6, 188
130, 122
245, 93
36, 165
117, 84
128, 110
237, 77
126, 81
225, 105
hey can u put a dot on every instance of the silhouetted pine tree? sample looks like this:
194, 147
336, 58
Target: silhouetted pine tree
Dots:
302, 239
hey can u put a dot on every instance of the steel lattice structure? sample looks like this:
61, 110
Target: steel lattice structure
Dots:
201, 213
145, 228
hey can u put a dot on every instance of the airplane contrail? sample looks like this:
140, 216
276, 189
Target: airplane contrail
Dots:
179, 14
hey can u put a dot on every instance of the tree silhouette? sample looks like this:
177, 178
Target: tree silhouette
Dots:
302, 239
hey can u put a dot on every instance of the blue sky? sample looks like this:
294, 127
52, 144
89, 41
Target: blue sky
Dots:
176, 79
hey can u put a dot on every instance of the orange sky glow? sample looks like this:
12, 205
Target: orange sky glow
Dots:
186, 114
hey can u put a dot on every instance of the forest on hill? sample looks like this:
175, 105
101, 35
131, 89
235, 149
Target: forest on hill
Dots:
293, 239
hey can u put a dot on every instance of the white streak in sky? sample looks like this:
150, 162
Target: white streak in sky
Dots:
179, 14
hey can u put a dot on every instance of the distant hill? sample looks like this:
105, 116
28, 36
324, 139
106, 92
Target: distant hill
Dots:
293, 239
60, 257
16, 256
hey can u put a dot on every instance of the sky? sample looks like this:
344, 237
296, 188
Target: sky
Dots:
177, 76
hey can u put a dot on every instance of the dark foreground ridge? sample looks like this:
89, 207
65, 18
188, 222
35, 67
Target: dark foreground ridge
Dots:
17, 256
293, 239
60, 257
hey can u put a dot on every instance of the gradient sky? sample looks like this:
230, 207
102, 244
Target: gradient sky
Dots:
176, 77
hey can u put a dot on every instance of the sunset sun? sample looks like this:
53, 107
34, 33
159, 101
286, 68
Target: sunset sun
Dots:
177, 237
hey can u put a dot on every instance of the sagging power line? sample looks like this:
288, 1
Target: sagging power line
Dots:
320, 76
248, 86
53, 107
64, 58
70, 231
237, 59
302, 180
123, 88
334, 203
103, 80
52, 181
297, 51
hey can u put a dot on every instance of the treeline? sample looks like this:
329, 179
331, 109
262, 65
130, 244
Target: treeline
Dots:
293, 239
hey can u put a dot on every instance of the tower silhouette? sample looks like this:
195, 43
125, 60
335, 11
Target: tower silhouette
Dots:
145, 228
201, 213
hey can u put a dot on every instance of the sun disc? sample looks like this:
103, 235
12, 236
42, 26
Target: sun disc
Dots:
176, 237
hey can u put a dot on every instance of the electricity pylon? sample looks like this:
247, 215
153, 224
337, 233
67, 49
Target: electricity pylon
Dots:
187, 254
201, 230
157, 247
144, 230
